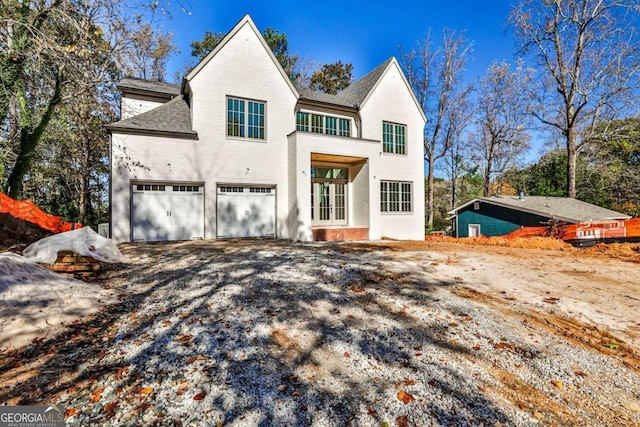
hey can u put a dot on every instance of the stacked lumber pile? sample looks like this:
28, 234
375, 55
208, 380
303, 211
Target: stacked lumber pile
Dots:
73, 265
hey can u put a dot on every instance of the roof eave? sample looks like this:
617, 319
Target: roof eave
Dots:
152, 132
147, 92
308, 101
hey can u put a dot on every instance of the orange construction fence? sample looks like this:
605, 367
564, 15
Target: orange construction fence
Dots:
26, 210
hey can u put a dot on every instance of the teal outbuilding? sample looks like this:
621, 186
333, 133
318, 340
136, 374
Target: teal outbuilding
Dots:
500, 215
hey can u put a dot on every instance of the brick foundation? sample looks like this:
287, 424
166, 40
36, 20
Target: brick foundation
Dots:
337, 234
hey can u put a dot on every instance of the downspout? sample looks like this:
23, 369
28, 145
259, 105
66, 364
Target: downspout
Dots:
110, 184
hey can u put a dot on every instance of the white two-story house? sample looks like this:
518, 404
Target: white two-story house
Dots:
237, 151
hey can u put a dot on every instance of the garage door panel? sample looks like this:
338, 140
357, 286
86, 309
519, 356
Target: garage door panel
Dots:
151, 221
245, 212
165, 212
187, 216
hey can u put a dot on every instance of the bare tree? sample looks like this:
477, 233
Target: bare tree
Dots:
436, 78
588, 57
502, 123
58, 51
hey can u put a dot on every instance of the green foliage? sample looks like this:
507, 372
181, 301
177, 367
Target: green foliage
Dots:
201, 48
276, 40
332, 78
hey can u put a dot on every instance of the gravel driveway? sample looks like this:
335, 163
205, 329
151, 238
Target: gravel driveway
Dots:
270, 333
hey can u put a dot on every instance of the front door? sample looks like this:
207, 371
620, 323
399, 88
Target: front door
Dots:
328, 203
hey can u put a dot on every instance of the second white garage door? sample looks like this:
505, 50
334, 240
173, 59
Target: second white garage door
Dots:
244, 211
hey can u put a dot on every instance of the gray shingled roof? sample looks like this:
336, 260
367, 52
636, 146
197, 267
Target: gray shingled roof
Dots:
146, 86
354, 95
563, 208
325, 98
173, 117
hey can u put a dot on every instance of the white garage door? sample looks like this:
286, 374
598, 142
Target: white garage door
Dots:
244, 211
167, 212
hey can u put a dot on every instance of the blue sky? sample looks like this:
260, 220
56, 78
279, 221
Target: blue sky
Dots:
364, 33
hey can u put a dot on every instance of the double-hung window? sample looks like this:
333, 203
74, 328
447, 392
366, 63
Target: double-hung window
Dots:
245, 118
394, 138
396, 196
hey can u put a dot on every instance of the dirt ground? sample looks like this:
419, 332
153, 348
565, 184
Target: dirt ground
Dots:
598, 287
529, 331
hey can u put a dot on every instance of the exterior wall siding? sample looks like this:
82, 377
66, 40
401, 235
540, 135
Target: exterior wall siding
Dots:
391, 101
133, 106
242, 68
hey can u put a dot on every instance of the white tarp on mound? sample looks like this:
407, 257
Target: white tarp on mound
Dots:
34, 300
83, 241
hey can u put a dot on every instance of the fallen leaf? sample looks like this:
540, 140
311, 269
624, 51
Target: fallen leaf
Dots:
371, 411
70, 412
121, 372
146, 390
522, 405
580, 374
405, 397
346, 354
192, 359
110, 407
184, 338
408, 381
557, 383
95, 397
38, 340
402, 421
199, 396
183, 384
166, 323
502, 345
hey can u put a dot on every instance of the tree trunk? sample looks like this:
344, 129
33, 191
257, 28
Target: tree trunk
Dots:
487, 170
29, 140
429, 206
85, 196
572, 158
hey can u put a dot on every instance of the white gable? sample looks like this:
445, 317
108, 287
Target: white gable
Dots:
394, 71
243, 29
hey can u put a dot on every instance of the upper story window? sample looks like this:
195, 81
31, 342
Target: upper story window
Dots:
345, 127
393, 138
331, 125
319, 123
245, 118
302, 121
